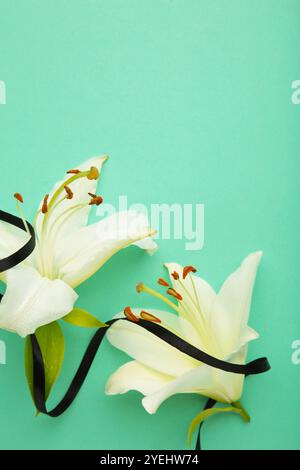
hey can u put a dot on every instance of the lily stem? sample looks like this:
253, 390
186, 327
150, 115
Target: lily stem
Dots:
244, 414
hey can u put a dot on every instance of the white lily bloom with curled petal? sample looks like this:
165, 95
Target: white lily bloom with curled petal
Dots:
216, 323
68, 250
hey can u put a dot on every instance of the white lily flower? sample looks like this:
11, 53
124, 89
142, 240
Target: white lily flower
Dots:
68, 251
213, 322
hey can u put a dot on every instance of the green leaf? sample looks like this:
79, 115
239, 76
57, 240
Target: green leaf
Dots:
80, 317
201, 417
51, 342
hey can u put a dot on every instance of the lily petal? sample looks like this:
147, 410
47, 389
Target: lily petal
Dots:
11, 239
136, 376
150, 350
80, 188
31, 301
81, 254
221, 386
158, 387
230, 311
147, 244
247, 334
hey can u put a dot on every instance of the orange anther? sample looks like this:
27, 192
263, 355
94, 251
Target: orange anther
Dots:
162, 282
130, 315
149, 317
174, 293
187, 270
45, 204
19, 197
69, 192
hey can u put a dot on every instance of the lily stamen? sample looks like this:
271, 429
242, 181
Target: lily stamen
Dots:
149, 317
174, 293
187, 270
199, 323
130, 315
162, 282
97, 200
19, 199
182, 311
45, 204
91, 174
175, 275
143, 288
195, 301
69, 192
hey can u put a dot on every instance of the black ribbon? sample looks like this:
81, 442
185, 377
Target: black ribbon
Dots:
257, 366
20, 255
209, 404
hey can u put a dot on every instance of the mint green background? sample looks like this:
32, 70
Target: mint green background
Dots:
192, 101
